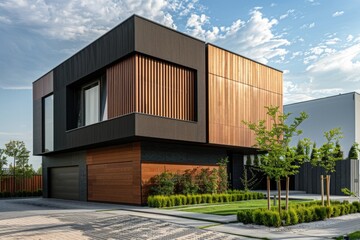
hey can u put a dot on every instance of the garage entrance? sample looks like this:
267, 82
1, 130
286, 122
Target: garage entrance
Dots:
64, 182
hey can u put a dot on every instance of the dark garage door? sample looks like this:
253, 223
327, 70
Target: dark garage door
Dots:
64, 183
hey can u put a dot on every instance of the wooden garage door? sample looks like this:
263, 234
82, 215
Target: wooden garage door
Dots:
64, 182
112, 182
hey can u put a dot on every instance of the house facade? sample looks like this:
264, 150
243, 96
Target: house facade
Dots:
140, 100
342, 111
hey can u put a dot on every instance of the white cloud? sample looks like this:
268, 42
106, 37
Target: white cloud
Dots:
338, 13
344, 62
273, 4
196, 25
349, 38
310, 25
72, 19
255, 38
332, 41
286, 14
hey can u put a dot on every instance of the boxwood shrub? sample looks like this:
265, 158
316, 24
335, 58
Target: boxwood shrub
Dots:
160, 201
306, 212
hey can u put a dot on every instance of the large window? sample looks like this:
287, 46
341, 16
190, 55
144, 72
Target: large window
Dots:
92, 103
48, 123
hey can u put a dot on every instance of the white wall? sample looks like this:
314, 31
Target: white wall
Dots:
327, 113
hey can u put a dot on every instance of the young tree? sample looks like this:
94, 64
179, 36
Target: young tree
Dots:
328, 154
223, 175
294, 158
274, 141
314, 153
17, 150
339, 152
3, 162
354, 150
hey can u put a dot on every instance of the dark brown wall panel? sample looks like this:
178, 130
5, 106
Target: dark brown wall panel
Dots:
239, 89
114, 174
42, 87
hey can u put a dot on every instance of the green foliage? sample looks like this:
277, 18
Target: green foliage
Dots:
328, 152
357, 205
163, 184
3, 161
314, 154
186, 182
249, 178
354, 151
280, 160
160, 201
307, 212
21, 194
39, 171
256, 161
207, 181
223, 183
245, 216
320, 213
17, 150
338, 152
248, 160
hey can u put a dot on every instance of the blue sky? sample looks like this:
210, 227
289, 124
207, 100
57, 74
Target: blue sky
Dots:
315, 42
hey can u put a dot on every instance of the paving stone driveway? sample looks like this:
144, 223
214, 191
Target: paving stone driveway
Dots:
94, 225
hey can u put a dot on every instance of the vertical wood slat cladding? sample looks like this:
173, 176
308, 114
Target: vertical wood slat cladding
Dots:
145, 85
149, 170
165, 89
114, 174
121, 88
239, 89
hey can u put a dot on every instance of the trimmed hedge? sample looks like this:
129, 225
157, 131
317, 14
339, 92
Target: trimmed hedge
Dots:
20, 194
300, 213
160, 201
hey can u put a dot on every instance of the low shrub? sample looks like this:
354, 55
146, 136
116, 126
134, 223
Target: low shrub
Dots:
336, 211
177, 200
320, 213
285, 217
357, 205
245, 216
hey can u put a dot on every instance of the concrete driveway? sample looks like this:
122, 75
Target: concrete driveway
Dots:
38, 218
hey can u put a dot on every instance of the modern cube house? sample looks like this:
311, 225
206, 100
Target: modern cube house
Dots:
144, 99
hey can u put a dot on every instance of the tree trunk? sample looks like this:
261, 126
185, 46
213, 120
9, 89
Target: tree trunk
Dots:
322, 190
287, 193
328, 189
268, 192
279, 194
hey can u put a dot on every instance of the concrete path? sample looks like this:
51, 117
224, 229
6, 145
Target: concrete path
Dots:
38, 218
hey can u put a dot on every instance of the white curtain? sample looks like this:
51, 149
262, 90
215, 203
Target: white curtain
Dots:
92, 105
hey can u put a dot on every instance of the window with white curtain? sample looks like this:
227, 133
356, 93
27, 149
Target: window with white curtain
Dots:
92, 104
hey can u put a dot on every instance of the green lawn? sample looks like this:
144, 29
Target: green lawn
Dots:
352, 236
229, 208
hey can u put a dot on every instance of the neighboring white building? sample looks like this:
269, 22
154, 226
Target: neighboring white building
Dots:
342, 111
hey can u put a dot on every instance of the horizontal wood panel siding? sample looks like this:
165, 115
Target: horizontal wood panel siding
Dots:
149, 170
121, 88
165, 89
114, 174
239, 89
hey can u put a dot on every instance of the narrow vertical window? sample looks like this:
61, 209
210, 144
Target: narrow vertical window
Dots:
48, 123
92, 104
